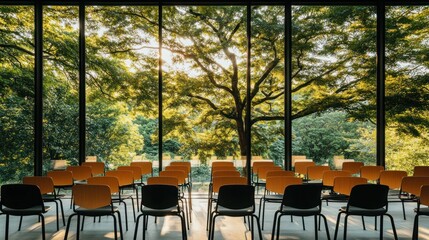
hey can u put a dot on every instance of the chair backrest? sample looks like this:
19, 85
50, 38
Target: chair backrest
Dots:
45, 184
159, 196
301, 167
262, 171
224, 168
413, 184
222, 163
344, 185
421, 171
61, 178
280, 173
258, 164
372, 173
91, 196
172, 181
21, 196
338, 162
329, 176
236, 196
97, 168
392, 178
112, 182
187, 164
424, 195
277, 184
80, 173
368, 196
137, 171
299, 158
226, 174
302, 196
353, 167
146, 167
125, 178
221, 181
179, 174
316, 172
177, 168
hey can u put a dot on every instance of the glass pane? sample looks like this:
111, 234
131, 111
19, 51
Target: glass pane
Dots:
60, 85
16, 92
407, 82
204, 86
122, 84
334, 84
268, 88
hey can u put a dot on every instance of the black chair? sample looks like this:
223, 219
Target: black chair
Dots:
22, 200
300, 200
423, 200
366, 200
160, 201
235, 201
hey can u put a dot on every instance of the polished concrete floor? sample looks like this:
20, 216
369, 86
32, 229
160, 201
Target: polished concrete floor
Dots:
226, 228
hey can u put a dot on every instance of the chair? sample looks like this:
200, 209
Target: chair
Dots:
172, 181
299, 158
353, 167
372, 173
97, 168
300, 200
329, 176
187, 164
46, 186
274, 189
226, 174
255, 168
392, 178
22, 200
262, 172
93, 201
61, 179
146, 168
421, 171
410, 190
342, 188
217, 182
301, 168
222, 163
366, 200
80, 173
423, 200
137, 174
315, 173
126, 182
160, 201
339, 160
280, 173
116, 195
235, 201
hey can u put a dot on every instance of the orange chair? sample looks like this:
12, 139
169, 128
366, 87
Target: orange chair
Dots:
342, 188
93, 200
280, 173
217, 183
256, 165
392, 178
222, 163
226, 174
80, 173
353, 167
61, 179
423, 200
46, 186
126, 182
315, 173
329, 176
113, 183
146, 168
163, 181
301, 168
262, 171
274, 189
421, 171
372, 173
97, 168
410, 190
137, 173
187, 164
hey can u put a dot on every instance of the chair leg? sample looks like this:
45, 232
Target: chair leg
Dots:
77, 227
7, 228
381, 227
278, 226
375, 223
137, 226
403, 210
58, 215
303, 223
393, 226
259, 226
274, 225
183, 224
337, 225
68, 226
114, 227
315, 228
251, 229
62, 212
415, 235
126, 215
345, 226
20, 223
120, 225
213, 227
326, 226
363, 223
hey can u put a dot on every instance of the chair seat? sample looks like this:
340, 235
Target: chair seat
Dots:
423, 211
235, 212
160, 212
274, 197
107, 210
27, 211
364, 211
300, 212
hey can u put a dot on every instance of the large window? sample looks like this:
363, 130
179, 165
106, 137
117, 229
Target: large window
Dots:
121, 83
334, 83
16, 92
60, 84
407, 92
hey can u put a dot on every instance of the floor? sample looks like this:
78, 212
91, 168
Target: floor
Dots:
226, 228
